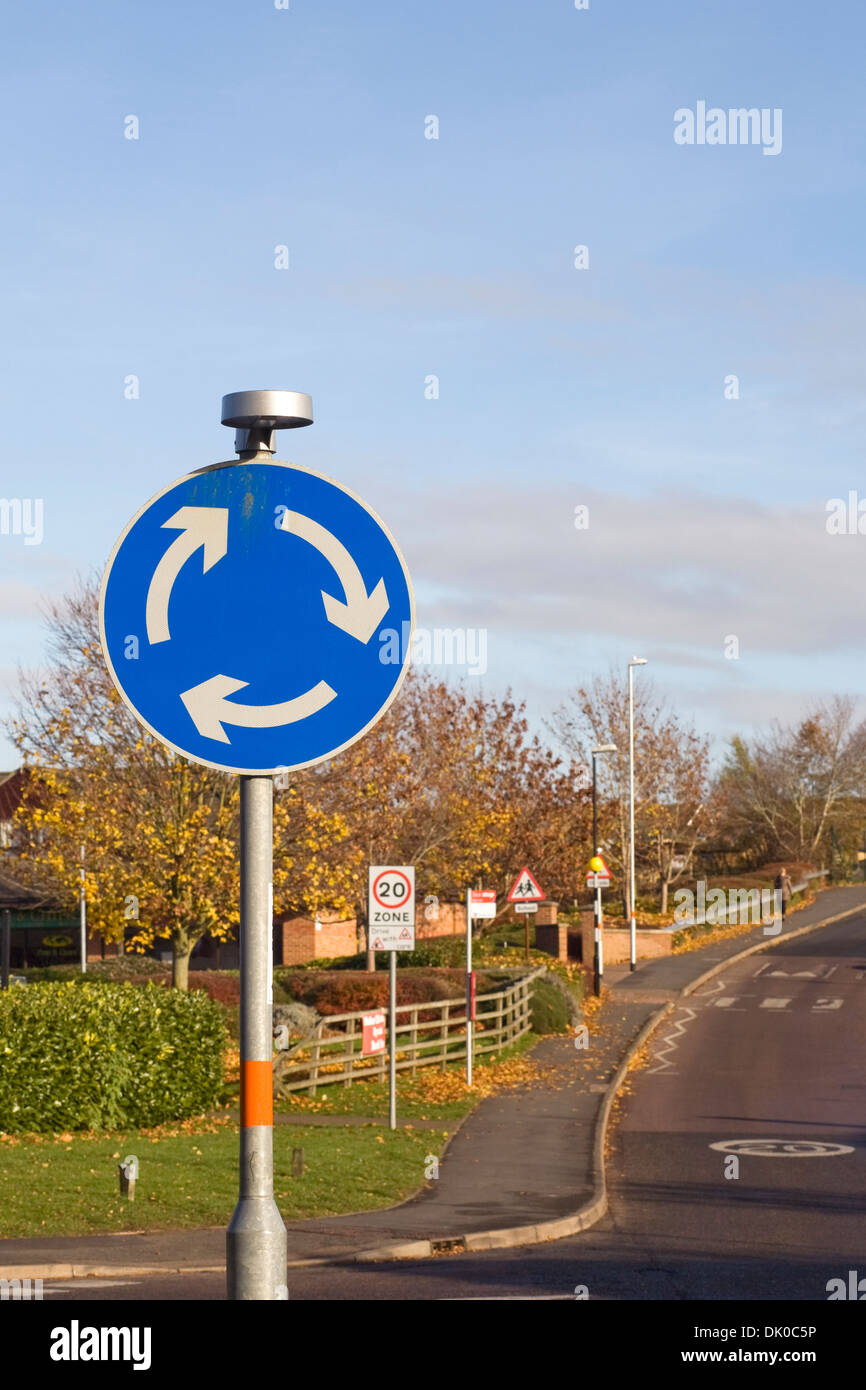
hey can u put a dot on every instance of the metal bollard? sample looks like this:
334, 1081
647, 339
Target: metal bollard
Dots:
127, 1171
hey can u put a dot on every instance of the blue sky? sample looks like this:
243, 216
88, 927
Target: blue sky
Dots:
454, 257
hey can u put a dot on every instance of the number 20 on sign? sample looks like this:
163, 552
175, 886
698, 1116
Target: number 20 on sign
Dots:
392, 907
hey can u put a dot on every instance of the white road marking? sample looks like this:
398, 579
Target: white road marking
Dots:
51, 1286
679, 1029
775, 1003
781, 1148
821, 1006
820, 972
516, 1298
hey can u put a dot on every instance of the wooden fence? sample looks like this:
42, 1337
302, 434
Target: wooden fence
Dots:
428, 1034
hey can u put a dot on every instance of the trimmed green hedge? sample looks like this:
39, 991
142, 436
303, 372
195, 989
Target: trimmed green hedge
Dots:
106, 1056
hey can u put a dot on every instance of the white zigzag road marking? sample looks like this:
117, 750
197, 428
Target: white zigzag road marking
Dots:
679, 1029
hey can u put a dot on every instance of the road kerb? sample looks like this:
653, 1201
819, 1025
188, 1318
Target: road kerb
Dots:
403, 1250
587, 1215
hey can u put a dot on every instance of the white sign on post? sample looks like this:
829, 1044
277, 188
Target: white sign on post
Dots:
391, 907
482, 902
597, 881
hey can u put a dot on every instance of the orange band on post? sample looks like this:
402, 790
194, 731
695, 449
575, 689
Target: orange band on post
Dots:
257, 1094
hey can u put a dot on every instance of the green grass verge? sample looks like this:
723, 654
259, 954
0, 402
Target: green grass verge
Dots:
66, 1188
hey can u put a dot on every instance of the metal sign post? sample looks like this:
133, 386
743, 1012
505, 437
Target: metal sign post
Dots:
82, 915
596, 865
468, 986
251, 595
256, 1236
597, 878
391, 920
6, 948
599, 944
525, 894
392, 1039
480, 902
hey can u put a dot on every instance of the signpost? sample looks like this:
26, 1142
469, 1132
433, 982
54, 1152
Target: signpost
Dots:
480, 902
525, 893
82, 914
264, 580
391, 928
598, 877
5, 948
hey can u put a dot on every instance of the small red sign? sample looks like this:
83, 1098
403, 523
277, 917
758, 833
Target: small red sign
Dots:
482, 902
470, 994
372, 1034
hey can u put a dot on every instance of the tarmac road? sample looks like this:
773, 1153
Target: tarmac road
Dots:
770, 1050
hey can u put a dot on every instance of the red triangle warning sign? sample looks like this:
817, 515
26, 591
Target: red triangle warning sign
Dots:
405, 934
525, 889
598, 866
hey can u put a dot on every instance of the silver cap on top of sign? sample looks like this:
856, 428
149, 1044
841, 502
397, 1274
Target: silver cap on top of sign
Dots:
256, 415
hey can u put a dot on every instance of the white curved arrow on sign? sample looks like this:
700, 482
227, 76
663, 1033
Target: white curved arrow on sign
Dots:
201, 526
362, 613
209, 709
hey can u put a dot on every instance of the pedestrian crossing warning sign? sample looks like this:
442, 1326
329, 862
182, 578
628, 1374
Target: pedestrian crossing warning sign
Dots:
525, 889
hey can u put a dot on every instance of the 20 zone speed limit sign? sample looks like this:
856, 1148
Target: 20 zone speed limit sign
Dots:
391, 906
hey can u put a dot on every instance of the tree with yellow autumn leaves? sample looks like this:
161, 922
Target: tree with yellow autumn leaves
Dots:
455, 784
449, 781
160, 833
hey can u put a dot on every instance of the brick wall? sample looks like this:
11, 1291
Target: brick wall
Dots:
451, 920
616, 942
299, 939
296, 939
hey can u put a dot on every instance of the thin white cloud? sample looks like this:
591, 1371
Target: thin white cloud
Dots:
671, 568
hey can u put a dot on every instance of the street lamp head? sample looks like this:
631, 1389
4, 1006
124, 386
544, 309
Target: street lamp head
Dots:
604, 748
255, 415
638, 661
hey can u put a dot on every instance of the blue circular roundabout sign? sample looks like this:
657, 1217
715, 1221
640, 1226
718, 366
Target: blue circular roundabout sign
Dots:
256, 617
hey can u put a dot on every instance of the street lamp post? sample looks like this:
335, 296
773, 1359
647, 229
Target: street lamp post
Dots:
635, 661
597, 957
